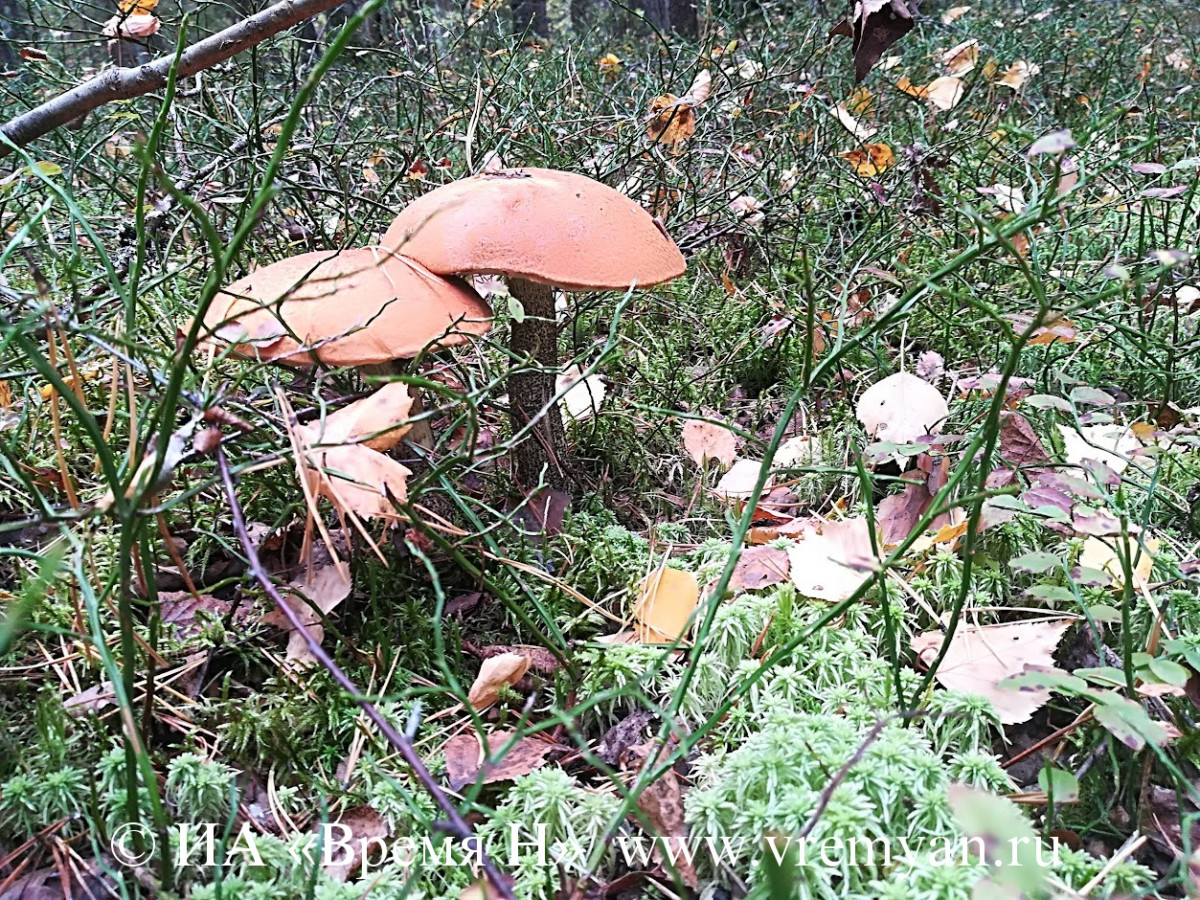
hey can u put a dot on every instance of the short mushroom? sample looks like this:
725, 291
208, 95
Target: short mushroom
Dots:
365, 308
542, 229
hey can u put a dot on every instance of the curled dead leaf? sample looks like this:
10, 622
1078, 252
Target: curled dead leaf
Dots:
496, 673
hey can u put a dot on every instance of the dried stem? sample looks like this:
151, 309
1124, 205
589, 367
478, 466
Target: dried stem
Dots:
455, 825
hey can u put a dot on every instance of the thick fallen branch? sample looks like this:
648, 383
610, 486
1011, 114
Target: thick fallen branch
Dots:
126, 83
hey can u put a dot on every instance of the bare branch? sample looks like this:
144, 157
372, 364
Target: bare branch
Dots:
126, 83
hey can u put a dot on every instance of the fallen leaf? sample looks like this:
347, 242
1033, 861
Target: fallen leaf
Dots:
1019, 444
738, 483
1102, 556
357, 479
131, 26
465, 758
581, 395
954, 13
902, 408
665, 604
662, 803
830, 560
874, 26
944, 92
707, 440
919, 91
870, 160
178, 610
980, 657
95, 699
700, 88
378, 421
1017, 74
1010, 199
609, 65
670, 121
496, 673
758, 568
851, 124
311, 596
360, 831
961, 59
540, 659
1109, 444
898, 514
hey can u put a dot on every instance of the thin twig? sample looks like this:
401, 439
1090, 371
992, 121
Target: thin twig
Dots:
456, 826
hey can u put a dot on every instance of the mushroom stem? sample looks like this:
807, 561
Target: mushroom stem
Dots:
531, 392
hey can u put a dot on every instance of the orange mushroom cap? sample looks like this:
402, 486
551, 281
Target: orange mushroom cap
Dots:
351, 308
540, 225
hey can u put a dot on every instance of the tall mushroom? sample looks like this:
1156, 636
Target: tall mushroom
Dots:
542, 229
364, 308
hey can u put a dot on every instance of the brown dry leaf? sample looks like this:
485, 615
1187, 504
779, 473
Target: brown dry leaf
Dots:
356, 478
831, 559
95, 699
496, 673
705, 440
179, 608
870, 160
898, 514
465, 758
901, 408
666, 600
980, 657
1018, 73
861, 102
954, 13
961, 59
362, 830
378, 421
1019, 444
1101, 555
1056, 327
873, 26
540, 659
913, 90
662, 803
312, 595
758, 568
944, 92
670, 121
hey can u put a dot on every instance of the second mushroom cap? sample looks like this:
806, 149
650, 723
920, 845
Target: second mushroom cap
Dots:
539, 225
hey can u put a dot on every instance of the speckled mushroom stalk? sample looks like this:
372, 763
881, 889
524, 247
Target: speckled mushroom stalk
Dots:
541, 229
531, 391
